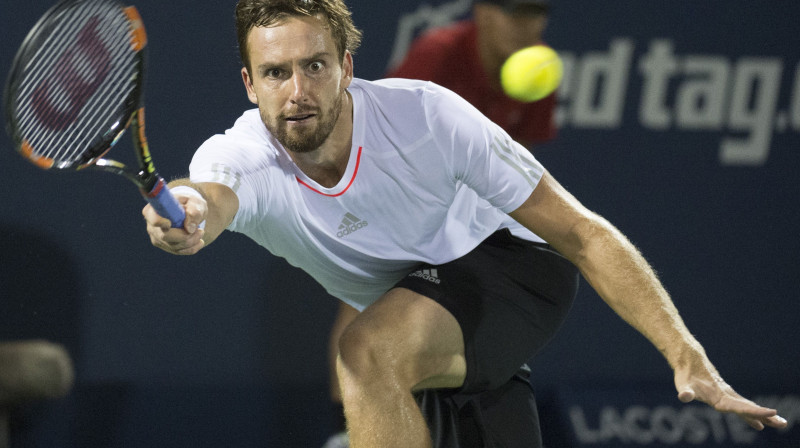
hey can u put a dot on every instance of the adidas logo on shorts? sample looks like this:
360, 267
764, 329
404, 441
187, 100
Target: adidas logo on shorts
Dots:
350, 223
430, 275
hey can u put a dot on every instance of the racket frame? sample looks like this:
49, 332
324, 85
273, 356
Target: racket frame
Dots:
130, 114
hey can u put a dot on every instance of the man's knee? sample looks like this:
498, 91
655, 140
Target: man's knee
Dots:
368, 348
405, 338
361, 348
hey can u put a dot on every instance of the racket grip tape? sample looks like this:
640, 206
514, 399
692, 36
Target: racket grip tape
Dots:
165, 203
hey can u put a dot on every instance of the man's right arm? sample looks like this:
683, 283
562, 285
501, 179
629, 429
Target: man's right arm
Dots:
212, 204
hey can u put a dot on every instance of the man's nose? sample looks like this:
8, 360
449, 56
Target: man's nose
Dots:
298, 84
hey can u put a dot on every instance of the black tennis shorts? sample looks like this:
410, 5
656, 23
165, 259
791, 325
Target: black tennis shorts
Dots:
509, 296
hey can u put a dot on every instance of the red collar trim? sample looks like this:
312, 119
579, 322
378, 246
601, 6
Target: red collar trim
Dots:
355, 172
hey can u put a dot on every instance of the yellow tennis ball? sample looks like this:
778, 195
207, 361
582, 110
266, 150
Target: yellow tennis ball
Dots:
532, 73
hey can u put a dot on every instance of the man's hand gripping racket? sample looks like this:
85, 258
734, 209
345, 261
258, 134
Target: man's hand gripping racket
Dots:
76, 85
186, 241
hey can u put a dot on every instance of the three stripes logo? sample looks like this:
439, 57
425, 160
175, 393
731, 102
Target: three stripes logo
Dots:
430, 275
350, 223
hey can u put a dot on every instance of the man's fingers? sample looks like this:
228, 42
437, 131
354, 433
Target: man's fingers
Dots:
195, 212
183, 243
743, 406
192, 249
724, 399
154, 219
177, 241
756, 416
686, 395
755, 424
776, 421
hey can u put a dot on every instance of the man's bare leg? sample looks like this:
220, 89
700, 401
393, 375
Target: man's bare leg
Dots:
402, 343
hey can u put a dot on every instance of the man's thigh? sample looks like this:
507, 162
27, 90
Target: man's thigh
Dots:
509, 297
419, 336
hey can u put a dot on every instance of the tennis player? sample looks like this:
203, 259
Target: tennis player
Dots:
466, 57
405, 202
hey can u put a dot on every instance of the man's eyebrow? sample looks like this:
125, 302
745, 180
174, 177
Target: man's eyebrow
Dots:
316, 56
319, 55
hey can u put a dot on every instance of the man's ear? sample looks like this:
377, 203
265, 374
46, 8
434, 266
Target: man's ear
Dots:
248, 85
347, 69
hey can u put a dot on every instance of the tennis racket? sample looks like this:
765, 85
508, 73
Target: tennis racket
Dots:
75, 85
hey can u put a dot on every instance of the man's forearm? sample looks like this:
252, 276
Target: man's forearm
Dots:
629, 285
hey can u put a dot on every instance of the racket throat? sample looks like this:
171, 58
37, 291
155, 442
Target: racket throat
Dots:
145, 180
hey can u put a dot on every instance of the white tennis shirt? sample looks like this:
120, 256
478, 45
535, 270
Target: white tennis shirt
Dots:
429, 178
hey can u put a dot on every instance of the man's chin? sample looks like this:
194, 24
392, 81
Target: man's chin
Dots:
300, 144
300, 149
291, 140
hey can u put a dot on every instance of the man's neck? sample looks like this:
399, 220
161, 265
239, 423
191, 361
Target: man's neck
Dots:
326, 165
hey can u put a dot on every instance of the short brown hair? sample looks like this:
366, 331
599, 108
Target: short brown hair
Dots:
256, 13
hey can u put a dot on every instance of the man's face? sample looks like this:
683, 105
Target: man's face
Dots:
506, 32
297, 80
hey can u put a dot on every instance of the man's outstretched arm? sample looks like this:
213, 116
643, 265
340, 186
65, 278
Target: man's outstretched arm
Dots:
627, 283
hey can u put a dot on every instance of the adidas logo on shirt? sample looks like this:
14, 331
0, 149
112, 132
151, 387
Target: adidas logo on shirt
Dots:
350, 223
430, 275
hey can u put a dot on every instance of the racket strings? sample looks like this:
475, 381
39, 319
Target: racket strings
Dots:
53, 137
77, 82
73, 70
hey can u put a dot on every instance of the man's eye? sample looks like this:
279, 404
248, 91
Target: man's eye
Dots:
315, 66
272, 73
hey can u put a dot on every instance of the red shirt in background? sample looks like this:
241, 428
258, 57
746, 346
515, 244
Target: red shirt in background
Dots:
449, 57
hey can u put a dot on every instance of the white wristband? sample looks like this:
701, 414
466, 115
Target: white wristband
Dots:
186, 190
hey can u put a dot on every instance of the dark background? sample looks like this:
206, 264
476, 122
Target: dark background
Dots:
228, 348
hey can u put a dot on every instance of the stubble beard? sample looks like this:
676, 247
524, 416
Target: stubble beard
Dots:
311, 139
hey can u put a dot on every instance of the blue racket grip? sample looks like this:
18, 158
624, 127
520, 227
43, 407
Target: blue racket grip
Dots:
165, 203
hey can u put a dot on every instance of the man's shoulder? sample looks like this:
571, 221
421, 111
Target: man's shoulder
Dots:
248, 128
389, 91
397, 94
247, 139
405, 109
389, 86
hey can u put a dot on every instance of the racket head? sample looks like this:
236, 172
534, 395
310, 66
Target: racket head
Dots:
75, 82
